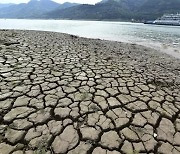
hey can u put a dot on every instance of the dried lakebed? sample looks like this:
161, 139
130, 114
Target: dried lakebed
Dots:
64, 94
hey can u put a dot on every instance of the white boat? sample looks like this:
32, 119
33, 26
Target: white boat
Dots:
168, 19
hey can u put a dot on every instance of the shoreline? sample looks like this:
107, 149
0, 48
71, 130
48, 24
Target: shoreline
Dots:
61, 93
170, 45
150, 47
168, 48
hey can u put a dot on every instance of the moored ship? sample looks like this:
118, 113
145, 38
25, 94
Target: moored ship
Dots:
167, 19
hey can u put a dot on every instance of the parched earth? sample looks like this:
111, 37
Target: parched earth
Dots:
64, 94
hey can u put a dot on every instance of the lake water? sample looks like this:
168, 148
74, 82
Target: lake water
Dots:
163, 38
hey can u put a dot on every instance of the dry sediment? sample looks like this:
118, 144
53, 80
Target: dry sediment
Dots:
64, 94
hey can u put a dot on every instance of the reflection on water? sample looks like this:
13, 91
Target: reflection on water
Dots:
165, 38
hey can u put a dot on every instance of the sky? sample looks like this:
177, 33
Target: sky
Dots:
59, 1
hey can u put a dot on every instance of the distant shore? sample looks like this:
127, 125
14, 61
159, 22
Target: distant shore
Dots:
115, 20
62, 93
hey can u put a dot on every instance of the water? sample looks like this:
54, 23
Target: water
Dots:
163, 38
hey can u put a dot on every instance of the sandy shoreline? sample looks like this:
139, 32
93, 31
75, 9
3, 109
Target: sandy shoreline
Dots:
60, 93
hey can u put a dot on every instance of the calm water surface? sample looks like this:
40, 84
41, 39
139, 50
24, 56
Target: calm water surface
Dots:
163, 38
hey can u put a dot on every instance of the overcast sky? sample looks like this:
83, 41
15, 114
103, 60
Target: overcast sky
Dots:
59, 1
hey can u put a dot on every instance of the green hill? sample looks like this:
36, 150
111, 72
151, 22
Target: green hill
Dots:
119, 9
104, 10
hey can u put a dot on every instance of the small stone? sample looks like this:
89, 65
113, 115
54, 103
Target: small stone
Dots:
155, 135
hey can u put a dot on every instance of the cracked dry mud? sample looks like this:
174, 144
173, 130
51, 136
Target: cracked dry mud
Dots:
64, 94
